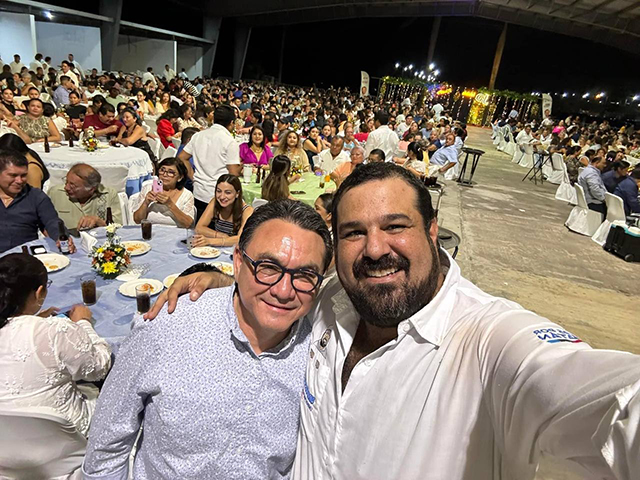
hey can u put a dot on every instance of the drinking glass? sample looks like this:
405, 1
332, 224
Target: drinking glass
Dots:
146, 229
143, 298
88, 286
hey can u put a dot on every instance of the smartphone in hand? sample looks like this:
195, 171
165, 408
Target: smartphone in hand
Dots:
157, 185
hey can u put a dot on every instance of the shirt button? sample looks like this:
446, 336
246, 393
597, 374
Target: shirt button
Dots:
367, 363
311, 354
406, 327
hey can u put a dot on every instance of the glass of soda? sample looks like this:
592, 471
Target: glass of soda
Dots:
143, 298
146, 229
88, 285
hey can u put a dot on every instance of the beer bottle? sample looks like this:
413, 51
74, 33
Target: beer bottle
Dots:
25, 250
70, 139
47, 149
63, 238
258, 174
109, 216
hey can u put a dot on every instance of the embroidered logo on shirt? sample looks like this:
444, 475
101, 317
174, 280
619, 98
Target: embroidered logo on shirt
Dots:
556, 335
309, 399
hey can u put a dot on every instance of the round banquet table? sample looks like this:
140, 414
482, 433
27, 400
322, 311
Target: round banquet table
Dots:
135, 160
309, 183
113, 313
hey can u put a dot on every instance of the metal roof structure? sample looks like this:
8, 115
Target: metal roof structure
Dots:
611, 22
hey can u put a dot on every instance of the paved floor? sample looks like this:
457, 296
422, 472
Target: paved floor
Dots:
515, 245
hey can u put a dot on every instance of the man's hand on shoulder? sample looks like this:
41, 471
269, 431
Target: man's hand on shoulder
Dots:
195, 285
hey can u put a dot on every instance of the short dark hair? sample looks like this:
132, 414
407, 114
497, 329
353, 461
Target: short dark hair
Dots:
635, 173
378, 152
106, 108
292, 211
383, 171
73, 92
382, 117
20, 276
327, 201
224, 115
10, 157
187, 133
182, 170
65, 78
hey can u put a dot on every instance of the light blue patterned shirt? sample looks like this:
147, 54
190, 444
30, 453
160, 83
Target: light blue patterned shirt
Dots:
211, 408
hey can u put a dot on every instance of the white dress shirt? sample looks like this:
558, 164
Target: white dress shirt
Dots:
212, 150
16, 67
402, 129
146, 76
33, 66
161, 214
328, 164
71, 75
444, 155
169, 74
473, 388
523, 138
383, 138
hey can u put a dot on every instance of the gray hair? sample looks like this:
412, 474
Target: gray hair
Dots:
358, 148
294, 212
89, 175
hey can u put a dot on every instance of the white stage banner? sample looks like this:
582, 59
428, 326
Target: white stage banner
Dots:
364, 84
547, 103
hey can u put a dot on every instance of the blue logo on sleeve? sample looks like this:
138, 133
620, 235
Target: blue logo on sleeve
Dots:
556, 335
310, 399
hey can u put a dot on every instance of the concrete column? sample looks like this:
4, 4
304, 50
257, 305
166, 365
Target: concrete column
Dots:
109, 31
284, 34
211, 31
242, 34
435, 29
498, 57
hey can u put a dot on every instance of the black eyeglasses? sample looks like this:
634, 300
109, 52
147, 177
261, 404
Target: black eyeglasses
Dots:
268, 272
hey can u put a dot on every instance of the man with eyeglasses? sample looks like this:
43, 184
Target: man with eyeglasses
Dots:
218, 386
82, 201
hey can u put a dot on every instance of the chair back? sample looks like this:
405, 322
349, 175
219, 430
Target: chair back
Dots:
169, 152
615, 208
557, 162
124, 208
257, 202
528, 149
114, 177
582, 201
37, 444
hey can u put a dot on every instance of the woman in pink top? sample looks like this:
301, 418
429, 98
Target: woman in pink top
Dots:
255, 151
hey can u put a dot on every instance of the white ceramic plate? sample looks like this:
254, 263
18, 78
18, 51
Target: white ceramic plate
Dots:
169, 279
225, 267
205, 252
53, 262
128, 289
136, 248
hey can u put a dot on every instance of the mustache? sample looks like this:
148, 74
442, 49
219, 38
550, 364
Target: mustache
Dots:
386, 262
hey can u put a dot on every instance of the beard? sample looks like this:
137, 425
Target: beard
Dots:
385, 306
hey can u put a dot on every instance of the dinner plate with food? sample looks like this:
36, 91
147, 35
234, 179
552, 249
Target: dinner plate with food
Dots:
169, 279
224, 267
53, 262
135, 248
128, 289
205, 252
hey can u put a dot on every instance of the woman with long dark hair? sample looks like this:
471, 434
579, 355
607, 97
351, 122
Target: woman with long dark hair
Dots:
255, 151
46, 355
37, 172
222, 221
132, 134
34, 126
276, 185
167, 127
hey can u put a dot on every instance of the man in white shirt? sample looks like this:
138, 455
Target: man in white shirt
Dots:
445, 157
169, 73
37, 63
66, 69
183, 75
404, 126
215, 152
382, 137
76, 67
416, 373
331, 157
16, 65
524, 137
149, 76
437, 110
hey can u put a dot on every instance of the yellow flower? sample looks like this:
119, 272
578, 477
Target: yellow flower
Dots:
100, 250
109, 267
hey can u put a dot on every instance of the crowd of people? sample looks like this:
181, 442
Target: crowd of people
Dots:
599, 157
346, 329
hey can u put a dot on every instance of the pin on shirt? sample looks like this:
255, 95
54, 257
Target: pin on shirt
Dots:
324, 340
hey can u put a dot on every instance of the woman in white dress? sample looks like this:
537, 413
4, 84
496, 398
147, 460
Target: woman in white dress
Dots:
43, 356
174, 205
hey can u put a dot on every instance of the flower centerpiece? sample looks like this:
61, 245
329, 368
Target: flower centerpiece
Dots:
111, 258
89, 140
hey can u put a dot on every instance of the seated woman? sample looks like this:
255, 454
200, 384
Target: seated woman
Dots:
164, 103
222, 221
255, 151
37, 172
414, 161
167, 126
174, 205
145, 106
132, 134
324, 205
349, 138
276, 185
186, 120
289, 146
96, 102
313, 145
46, 355
204, 116
34, 126
7, 100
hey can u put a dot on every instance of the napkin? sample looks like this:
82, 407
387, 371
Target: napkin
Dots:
87, 242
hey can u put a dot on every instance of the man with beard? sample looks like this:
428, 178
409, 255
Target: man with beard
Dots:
415, 373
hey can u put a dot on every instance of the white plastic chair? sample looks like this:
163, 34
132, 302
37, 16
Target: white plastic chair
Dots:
526, 160
133, 200
494, 134
615, 213
502, 132
124, 208
35, 443
156, 146
554, 172
169, 152
510, 147
566, 192
114, 177
517, 155
257, 202
582, 220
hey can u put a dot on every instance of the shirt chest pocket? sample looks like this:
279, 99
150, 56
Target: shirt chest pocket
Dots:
314, 389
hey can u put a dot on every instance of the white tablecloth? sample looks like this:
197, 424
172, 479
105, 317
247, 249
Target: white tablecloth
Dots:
135, 160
